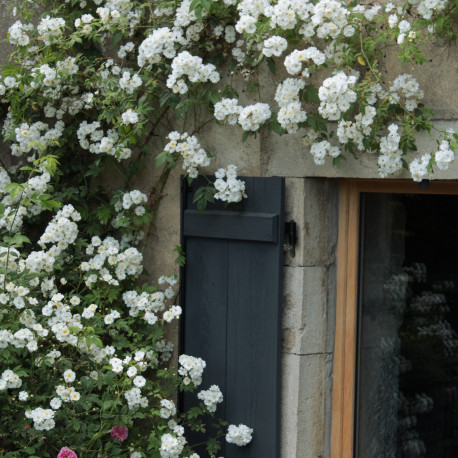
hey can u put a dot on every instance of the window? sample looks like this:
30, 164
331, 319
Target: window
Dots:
397, 246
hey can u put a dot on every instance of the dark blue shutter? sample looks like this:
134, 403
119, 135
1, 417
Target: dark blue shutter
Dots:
232, 307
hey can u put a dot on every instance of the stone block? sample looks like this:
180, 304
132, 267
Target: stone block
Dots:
293, 298
314, 413
314, 334
312, 204
305, 310
305, 406
226, 145
290, 381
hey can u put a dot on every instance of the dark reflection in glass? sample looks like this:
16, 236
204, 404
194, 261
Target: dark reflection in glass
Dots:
407, 379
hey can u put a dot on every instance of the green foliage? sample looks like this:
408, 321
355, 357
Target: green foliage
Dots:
180, 260
203, 195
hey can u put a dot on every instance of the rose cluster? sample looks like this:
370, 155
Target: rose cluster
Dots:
229, 188
188, 147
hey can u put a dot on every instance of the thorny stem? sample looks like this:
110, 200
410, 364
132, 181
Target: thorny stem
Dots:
197, 129
203, 443
120, 170
155, 124
155, 196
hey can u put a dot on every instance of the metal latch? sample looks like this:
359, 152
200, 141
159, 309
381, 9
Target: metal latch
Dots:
290, 238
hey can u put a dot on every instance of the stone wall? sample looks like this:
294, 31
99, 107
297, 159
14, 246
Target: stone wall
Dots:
309, 318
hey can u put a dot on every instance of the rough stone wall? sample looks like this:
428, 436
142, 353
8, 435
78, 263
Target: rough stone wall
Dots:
6, 19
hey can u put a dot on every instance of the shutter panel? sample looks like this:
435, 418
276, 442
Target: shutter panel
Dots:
232, 308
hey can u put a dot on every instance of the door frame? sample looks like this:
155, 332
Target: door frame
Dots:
344, 367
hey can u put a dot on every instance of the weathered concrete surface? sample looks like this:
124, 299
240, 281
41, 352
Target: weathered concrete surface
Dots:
289, 157
226, 143
6, 19
437, 77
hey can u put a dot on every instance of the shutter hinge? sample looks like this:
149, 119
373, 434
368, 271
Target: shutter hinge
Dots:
290, 237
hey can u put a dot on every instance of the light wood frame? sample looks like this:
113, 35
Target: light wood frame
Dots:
343, 392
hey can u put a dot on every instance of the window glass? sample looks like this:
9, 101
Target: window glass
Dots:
407, 363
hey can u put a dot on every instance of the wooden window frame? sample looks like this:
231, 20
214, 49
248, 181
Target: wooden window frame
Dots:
343, 391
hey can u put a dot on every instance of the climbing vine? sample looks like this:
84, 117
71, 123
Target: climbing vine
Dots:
92, 88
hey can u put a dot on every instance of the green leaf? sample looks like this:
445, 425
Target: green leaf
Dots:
76, 425
164, 157
180, 260
198, 13
50, 204
214, 97
271, 65
276, 127
247, 134
213, 446
253, 87
92, 339
113, 294
336, 160
104, 213
16, 240
107, 404
206, 5
204, 195
117, 37
14, 189
310, 94
194, 412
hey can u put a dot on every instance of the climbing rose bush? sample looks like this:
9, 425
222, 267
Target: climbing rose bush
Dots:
84, 364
